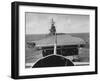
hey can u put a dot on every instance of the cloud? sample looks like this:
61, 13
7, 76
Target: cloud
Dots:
37, 23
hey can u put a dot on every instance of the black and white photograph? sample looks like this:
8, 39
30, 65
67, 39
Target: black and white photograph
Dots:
51, 40
54, 40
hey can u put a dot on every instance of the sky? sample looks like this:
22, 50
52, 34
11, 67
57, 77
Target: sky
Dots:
40, 23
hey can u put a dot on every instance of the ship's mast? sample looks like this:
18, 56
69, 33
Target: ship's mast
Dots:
53, 32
